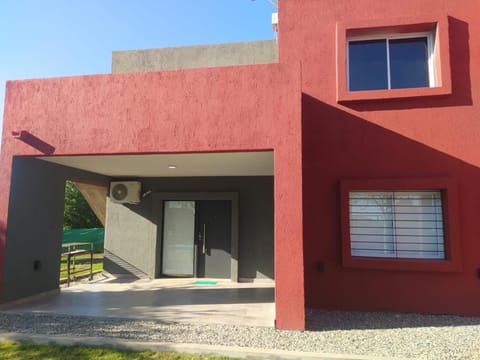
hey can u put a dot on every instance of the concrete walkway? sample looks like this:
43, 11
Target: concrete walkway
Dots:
199, 349
169, 300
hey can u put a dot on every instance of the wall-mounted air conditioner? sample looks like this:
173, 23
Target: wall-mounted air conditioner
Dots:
125, 192
275, 22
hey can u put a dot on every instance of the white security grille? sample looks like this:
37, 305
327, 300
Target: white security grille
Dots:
397, 224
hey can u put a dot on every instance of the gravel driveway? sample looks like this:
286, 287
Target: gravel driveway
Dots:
374, 334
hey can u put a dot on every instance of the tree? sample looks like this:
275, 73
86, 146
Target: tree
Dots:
77, 213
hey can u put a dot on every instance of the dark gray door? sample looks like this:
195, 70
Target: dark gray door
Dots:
197, 238
213, 224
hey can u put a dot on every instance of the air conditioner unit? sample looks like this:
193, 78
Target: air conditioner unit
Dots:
125, 192
275, 22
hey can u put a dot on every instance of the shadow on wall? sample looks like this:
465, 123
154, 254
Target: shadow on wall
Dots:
338, 145
460, 77
33, 141
3, 236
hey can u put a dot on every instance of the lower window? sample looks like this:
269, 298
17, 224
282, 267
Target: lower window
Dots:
397, 224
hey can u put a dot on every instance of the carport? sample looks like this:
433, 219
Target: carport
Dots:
197, 215
134, 248
204, 112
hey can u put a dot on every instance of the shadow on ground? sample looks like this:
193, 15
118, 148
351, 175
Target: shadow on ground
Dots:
323, 320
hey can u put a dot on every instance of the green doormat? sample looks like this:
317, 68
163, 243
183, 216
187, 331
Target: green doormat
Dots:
205, 282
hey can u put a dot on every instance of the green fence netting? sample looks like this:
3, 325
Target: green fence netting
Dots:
94, 236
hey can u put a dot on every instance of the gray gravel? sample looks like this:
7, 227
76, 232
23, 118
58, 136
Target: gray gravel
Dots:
374, 334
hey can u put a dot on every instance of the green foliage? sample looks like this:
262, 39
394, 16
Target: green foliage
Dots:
77, 213
14, 351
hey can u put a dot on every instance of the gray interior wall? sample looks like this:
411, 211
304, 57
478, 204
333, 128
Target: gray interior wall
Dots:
35, 226
256, 229
188, 57
131, 236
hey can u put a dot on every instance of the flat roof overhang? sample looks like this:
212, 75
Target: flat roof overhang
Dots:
255, 163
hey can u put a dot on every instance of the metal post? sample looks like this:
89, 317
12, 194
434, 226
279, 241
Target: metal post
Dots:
91, 261
68, 269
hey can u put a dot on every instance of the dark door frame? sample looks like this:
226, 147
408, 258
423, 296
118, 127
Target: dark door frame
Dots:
160, 197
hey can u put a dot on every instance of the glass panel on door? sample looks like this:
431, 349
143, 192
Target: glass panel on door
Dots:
178, 238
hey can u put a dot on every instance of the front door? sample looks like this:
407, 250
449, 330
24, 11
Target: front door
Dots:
197, 238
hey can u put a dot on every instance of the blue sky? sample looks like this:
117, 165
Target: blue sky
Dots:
50, 38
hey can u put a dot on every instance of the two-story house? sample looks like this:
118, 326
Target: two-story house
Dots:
346, 169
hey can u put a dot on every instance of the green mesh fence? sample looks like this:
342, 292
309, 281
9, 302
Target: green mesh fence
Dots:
94, 236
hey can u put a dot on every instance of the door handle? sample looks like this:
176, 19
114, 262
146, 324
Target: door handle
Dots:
204, 238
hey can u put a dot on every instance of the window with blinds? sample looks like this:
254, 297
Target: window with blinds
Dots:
397, 224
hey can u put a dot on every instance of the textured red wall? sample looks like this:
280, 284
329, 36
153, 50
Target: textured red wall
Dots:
225, 109
423, 137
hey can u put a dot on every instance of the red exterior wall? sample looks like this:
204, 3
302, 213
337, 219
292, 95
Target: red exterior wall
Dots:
179, 111
417, 137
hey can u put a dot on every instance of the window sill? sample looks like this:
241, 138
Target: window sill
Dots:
371, 95
453, 263
401, 264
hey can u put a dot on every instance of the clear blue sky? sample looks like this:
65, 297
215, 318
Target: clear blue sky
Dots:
49, 38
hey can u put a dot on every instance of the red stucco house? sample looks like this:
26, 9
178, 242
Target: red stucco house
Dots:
354, 158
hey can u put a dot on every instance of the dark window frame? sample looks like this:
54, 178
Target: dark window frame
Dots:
437, 24
451, 222
391, 224
388, 38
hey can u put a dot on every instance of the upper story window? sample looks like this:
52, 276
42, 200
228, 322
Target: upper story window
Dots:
391, 62
381, 59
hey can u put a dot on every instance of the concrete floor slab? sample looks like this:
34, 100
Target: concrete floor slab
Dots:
169, 300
